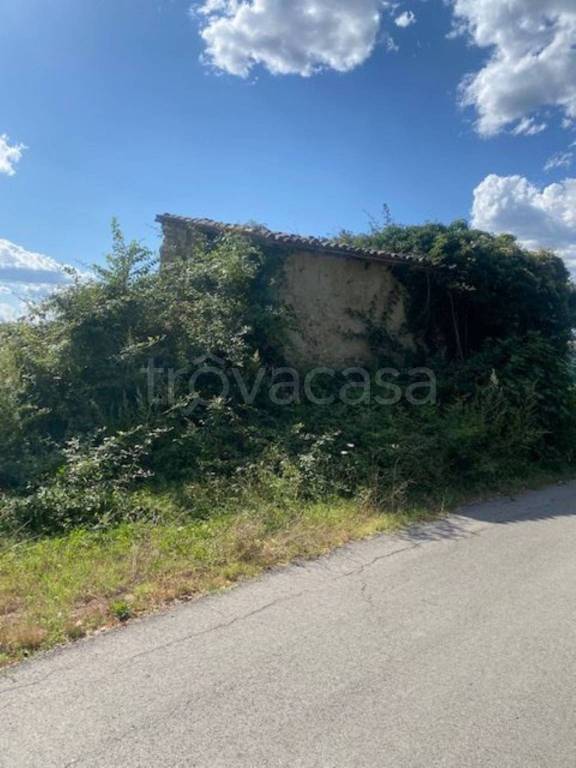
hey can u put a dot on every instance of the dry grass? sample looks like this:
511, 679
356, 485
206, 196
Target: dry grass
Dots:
59, 589
55, 590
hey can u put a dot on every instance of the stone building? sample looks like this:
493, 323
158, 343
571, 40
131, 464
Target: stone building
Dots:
333, 292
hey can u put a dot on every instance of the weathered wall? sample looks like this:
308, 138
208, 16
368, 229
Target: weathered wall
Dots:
178, 243
325, 293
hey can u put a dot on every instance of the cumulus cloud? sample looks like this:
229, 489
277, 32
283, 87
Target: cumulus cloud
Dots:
531, 64
300, 37
405, 19
25, 277
10, 155
540, 218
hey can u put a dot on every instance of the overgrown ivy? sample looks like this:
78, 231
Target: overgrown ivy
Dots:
80, 429
478, 288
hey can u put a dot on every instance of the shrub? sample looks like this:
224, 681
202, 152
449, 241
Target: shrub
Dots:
80, 431
481, 287
91, 488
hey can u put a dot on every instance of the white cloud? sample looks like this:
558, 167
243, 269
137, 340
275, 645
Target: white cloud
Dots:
559, 160
540, 218
26, 276
405, 19
532, 61
528, 126
10, 155
300, 37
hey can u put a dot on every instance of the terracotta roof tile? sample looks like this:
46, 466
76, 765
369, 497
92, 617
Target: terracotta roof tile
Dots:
266, 236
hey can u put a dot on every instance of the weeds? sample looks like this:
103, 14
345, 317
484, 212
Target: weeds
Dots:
114, 500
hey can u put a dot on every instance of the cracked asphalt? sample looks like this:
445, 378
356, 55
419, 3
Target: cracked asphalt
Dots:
452, 644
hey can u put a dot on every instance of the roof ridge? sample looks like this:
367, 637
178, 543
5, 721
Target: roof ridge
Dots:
271, 237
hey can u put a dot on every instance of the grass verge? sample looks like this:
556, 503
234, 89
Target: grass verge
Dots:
54, 590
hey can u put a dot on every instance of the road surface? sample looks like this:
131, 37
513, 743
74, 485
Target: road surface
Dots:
451, 645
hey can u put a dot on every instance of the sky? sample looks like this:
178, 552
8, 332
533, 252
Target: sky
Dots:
305, 115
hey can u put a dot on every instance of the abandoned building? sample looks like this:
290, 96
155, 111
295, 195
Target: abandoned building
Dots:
332, 291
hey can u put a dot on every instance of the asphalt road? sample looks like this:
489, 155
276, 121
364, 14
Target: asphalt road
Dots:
451, 645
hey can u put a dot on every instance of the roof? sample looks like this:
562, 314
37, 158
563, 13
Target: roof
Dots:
281, 239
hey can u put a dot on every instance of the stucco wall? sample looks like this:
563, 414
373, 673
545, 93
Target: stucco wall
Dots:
324, 294
327, 295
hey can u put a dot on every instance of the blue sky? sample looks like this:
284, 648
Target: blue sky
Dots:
306, 115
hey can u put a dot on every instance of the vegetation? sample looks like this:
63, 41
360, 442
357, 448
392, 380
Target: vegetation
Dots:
124, 483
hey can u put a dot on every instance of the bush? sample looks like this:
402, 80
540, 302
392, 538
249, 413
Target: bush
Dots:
481, 288
81, 432
91, 488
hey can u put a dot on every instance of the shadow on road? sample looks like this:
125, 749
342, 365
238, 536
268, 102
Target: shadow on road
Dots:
545, 504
